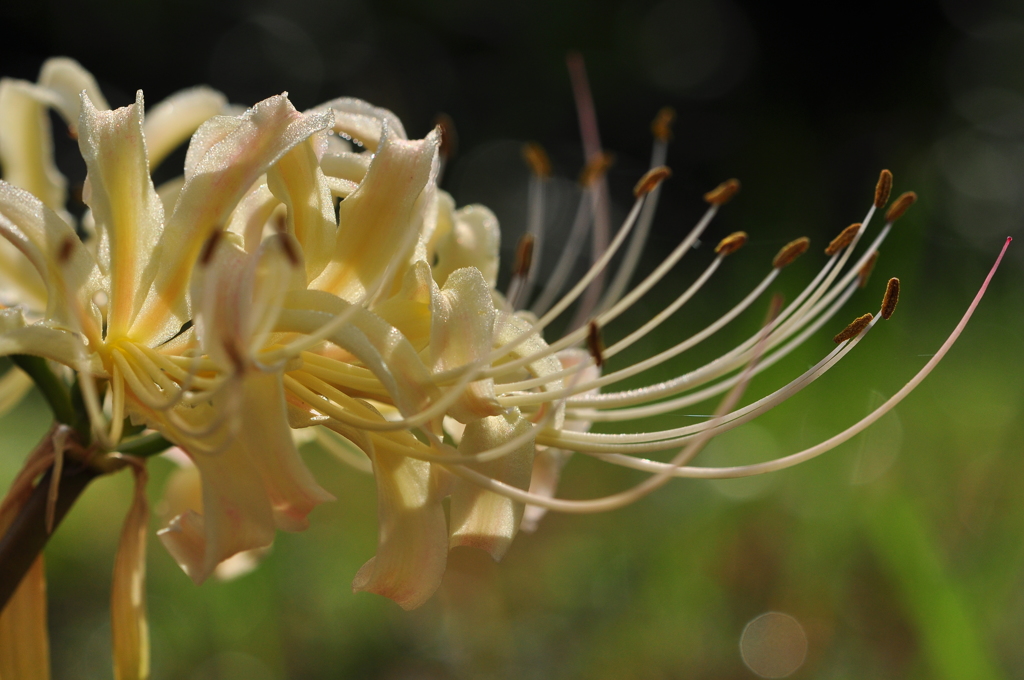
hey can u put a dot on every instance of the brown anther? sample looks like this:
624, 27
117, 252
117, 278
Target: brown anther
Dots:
855, 328
731, 243
723, 193
73, 132
288, 248
449, 138
651, 179
865, 272
595, 344
844, 239
661, 126
210, 247
537, 158
596, 168
281, 223
791, 251
900, 206
892, 296
524, 255
883, 188
66, 250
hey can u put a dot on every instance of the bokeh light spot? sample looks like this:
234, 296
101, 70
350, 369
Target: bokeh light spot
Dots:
773, 645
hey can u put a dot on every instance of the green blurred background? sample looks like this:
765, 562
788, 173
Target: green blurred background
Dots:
900, 554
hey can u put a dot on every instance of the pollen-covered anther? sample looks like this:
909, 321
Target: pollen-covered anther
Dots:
596, 168
595, 344
865, 272
651, 179
661, 126
537, 158
210, 247
789, 252
723, 193
883, 189
855, 328
891, 297
844, 239
731, 243
524, 255
900, 206
67, 248
449, 138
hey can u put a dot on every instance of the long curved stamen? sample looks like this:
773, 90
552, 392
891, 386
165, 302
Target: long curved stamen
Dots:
613, 501
704, 374
832, 442
661, 127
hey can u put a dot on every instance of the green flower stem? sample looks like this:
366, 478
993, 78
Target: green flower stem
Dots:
143, 447
27, 535
54, 391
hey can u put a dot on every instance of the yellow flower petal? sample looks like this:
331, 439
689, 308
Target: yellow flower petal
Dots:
215, 183
173, 120
462, 332
26, 144
379, 223
298, 182
412, 548
126, 207
468, 237
53, 248
484, 519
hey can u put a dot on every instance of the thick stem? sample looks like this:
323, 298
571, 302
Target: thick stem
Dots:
27, 535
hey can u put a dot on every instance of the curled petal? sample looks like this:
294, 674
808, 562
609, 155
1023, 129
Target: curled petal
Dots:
26, 145
235, 152
468, 237
126, 207
298, 182
481, 518
173, 120
362, 121
388, 208
67, 80
462, 332
412, 545
53, 249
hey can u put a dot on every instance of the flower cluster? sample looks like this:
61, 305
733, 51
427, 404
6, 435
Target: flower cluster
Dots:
305, 273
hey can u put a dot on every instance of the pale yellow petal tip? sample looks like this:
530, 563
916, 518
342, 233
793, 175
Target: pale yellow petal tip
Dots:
445, 127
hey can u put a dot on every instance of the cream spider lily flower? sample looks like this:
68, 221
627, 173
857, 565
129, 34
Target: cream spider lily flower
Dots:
512, 404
